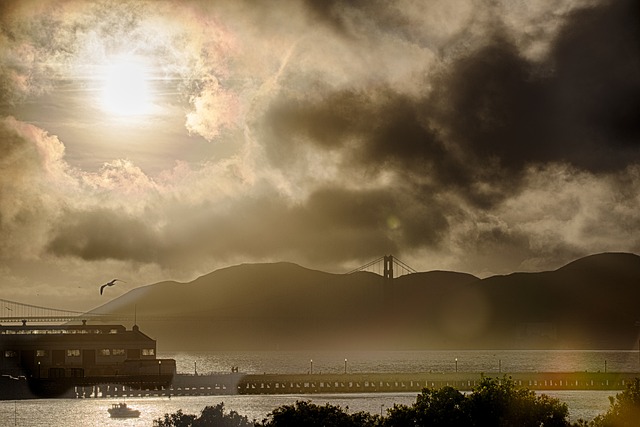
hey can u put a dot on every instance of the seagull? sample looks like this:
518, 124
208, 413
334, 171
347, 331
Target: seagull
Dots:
111, 283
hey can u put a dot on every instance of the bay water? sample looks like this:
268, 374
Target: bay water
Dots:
93, 412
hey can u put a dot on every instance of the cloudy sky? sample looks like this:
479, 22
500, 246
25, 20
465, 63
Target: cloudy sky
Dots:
162, 140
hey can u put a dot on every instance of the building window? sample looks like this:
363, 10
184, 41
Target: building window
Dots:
105, 352
113, 331
119, 352
148, 352
73, 353
41, 353
10, 353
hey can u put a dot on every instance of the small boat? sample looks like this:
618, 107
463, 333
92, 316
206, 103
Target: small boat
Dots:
121, 410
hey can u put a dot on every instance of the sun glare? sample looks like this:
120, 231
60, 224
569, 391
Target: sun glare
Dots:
126, 87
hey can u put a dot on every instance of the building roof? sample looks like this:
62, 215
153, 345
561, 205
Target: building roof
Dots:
66, 333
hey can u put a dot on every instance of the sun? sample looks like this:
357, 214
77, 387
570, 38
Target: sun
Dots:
126, 87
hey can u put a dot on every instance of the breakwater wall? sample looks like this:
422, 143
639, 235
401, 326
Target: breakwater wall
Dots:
415, 382
255, 384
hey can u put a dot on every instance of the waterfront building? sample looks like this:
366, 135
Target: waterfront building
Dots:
81, 354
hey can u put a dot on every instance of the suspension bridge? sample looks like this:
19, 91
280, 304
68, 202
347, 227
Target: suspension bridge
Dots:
13, 311
386, 266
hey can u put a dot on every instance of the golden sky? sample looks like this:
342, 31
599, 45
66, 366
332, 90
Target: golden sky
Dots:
157, 140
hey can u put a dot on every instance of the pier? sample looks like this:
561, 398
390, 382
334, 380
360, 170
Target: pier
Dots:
415, 382
256, 384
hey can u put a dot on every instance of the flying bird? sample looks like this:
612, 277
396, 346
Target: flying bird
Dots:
111, 283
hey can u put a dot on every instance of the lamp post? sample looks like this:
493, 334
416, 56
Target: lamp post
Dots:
159, 367
311, 368
456, 364
345, 365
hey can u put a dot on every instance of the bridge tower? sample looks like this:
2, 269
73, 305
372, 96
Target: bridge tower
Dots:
391, 266
388, 278
388, 266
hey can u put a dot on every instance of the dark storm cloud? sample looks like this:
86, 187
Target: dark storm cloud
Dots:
492, 112
493, 107
382, 221
326, 122
375, 128
597, 83
104, 234
579, 105
381, 131
332, 225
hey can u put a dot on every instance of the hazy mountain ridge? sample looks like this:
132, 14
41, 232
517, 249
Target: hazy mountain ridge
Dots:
588, 303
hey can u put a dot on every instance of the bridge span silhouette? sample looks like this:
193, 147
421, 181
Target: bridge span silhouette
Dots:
15, 312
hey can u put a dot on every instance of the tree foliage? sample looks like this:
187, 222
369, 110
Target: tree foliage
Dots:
500, 403
494, 402
443, 407
177, 419
624, 410
311, 415
211, 416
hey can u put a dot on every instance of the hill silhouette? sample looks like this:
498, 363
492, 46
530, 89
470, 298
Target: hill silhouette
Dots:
589, 303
